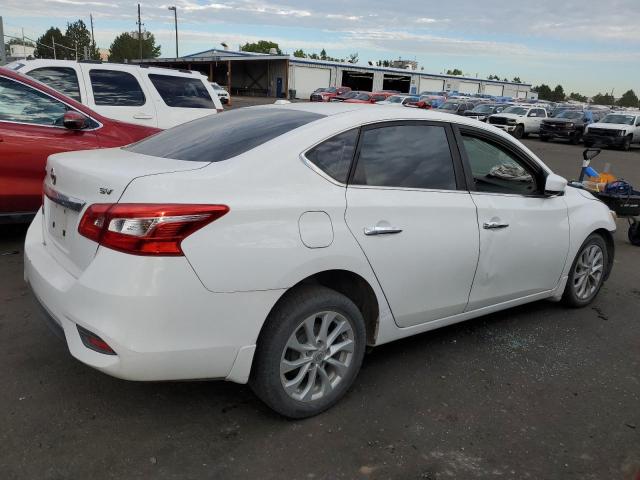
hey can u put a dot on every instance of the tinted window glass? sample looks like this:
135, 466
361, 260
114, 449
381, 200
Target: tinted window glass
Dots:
20, 103
120, 89
63, 79
334, 156
182, 92
219, 137
496, 169
410, 156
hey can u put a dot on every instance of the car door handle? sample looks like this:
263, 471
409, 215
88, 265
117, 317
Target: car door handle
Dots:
494, 225
143, 116
377, 230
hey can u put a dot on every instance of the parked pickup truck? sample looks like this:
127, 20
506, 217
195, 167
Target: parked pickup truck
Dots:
615, 130
567, 125
519, 120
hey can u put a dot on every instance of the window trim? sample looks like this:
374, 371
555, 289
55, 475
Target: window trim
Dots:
539, 172
100, 124
458, 170
137, 79
318, 170
58, 67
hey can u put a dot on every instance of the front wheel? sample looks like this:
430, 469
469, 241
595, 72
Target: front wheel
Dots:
634, 234
309, 352
544, 138
626, 146
575, 138
587, 272
519, 132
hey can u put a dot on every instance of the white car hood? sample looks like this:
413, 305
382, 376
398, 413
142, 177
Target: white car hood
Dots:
610, 126
507, 115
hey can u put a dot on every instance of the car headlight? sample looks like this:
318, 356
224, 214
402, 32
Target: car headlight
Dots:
511, 121
621, 133
570, 125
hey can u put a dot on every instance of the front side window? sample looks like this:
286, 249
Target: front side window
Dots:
405, 156
23, 104
497, 170
116, 88
215, 138
63, 79
182, 92
334, 156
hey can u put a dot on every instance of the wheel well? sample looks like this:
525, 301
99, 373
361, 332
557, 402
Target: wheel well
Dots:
352, 286
608, 240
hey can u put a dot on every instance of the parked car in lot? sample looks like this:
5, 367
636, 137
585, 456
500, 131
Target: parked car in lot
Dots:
398, 100
188, 256
457, 107
223, 95
428, 102
149, 96
567, 125
614, 130
369, 97
36, 121
346, 96
519, 120
326, 94
484, 110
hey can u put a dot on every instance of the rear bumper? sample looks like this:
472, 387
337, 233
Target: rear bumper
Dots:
604, 140
155, 314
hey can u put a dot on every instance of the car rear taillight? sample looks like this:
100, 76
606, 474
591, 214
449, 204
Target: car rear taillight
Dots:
144, 228
94, 342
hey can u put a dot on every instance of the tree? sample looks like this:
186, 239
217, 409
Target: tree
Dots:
127, 47
605, 99
323, 54
455, 71
558, 94
299, 53
353, 58
628, 99
263, 46
78, 34
577, 97
544, 92
493, 77
44, 48
517, 80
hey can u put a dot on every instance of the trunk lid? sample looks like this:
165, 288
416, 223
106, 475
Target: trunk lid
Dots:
76, 180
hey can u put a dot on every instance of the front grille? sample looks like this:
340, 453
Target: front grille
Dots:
316, 98
554, 126
498, 120
603, 132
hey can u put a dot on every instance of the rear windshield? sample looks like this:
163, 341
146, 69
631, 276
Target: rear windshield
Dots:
215, 138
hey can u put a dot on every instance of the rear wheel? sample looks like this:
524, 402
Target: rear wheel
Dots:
519, 131
634, 234
309, 352
587, 272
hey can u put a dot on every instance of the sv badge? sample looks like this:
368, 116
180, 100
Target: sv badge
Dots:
105, 190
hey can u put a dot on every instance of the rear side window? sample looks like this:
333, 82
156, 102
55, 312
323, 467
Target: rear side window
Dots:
215, 138
63, 79
116, 88
334, 156
407, 156
182, 92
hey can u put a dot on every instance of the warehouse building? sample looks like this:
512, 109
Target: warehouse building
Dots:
281, 76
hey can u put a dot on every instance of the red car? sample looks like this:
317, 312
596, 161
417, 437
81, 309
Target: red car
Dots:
326, 94
367, 97
37, 121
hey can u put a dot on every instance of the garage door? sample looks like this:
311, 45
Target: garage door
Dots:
306, 80
430, 85
495, 90
522, 94
468, 87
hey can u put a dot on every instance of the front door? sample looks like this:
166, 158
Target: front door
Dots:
416, 228
524, 236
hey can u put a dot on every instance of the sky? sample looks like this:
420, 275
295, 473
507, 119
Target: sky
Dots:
588, 46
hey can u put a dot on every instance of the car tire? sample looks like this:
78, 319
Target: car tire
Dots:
575, 139
588, 272
588, 144
634, 234
626, 146
544, 138
518, 132
300, 377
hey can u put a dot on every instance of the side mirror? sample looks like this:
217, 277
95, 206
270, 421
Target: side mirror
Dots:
74, 120
555, 184
591, 153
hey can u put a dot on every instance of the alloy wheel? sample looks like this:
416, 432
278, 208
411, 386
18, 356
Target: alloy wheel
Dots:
588, 272
317, 356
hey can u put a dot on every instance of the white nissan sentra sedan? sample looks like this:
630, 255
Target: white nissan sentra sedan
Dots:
272, 244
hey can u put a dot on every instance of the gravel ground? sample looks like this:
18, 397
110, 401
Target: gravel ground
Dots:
539, 392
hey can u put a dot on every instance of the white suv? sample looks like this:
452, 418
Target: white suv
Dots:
150, 96
519, 120
272, 244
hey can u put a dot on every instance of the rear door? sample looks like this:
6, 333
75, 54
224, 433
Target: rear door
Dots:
30, 130
418, 230
524, 235
119, 94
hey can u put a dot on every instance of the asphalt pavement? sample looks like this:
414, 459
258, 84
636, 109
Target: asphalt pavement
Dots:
535, 392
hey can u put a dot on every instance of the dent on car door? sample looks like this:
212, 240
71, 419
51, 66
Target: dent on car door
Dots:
524, 235
30, 130
416, 228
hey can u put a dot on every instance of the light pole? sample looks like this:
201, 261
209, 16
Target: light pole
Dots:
175, 18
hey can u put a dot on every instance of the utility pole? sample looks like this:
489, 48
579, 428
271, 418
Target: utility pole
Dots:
53, 40
3, 52
175, 18
24, 48
93, 42
139, 32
